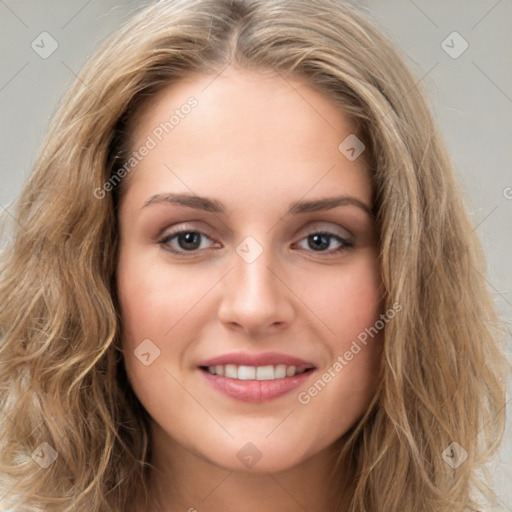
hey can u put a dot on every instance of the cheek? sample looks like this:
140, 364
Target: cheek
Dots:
348, 299
345, 386
359, 313
152, 313
164, 309
153, 298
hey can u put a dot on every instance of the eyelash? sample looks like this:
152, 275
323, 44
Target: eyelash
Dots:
164, 241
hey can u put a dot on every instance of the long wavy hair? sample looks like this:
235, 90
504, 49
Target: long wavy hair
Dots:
62, 378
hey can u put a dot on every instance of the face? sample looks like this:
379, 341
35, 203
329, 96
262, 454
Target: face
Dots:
244, 293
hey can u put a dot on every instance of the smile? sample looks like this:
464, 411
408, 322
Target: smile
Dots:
269, 372
251, 377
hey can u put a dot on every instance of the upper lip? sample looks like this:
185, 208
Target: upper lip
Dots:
261, 359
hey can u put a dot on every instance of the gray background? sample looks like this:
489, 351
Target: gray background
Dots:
471, 97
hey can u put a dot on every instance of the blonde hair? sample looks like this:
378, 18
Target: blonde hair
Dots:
62, 380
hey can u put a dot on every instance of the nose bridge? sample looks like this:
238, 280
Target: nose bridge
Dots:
254, 297
252, 269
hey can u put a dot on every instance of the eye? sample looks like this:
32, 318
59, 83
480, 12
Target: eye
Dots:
184, 241
190, 241
322, 240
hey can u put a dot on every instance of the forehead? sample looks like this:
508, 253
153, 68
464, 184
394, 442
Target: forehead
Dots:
248, 135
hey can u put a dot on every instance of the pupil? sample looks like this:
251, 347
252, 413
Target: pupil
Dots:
320, 241
188, 240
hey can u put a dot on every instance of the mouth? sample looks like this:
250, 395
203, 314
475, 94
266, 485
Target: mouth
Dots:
261, 381
268, 372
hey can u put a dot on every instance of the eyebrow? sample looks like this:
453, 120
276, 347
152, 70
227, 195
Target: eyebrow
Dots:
215, 206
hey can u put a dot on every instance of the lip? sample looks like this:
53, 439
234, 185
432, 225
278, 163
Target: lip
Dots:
262, 359
256, 390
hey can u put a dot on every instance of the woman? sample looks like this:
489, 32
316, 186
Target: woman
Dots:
242, 276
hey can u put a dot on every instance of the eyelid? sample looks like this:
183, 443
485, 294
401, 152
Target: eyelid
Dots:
312, 228
183, 228
345, 242
333, 229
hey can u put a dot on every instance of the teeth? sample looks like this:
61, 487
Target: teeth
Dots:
265, 373
246, 372
280, 371
290, 371
231, 371
269, 372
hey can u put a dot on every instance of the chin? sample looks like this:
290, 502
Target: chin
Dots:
259, 453
250, 459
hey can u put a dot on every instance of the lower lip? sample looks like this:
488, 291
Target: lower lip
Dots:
255, 390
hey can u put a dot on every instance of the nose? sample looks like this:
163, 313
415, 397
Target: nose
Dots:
255, 296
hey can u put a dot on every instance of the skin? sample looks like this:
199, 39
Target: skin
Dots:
257, 143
